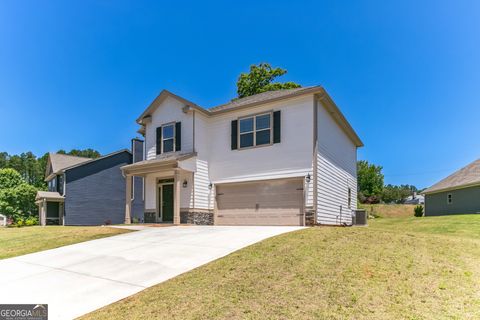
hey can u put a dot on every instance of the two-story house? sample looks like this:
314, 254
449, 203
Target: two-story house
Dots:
84, 191
284, 157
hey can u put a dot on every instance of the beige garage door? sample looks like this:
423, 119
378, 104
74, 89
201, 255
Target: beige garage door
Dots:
267, 203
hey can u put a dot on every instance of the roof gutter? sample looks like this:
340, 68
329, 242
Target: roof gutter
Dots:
475, 184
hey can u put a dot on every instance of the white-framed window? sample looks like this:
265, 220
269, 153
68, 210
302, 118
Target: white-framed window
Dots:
255, 130
449, 198
52, 185
168, 138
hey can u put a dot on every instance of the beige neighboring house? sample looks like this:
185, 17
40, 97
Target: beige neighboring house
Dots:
285, 157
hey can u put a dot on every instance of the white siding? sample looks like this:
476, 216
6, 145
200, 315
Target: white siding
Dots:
217, 163
203, 195
336, 171
290, 158
170, 110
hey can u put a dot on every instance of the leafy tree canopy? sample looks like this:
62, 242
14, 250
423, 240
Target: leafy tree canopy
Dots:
87, 153
17, 197
370, 181
397, 194
18, 202
10, 178
260, 79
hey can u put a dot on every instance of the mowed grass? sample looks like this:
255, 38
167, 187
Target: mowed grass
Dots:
389, 210
411, 268
19, 241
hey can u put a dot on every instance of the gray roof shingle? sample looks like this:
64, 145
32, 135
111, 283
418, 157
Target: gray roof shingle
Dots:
260, 97
469, 175
62, 161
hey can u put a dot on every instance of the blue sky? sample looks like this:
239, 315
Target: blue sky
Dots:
76, 74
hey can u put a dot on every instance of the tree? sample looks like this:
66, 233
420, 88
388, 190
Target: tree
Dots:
260, 79
370, 182
10, 178
17, 197
86, 153
397, 194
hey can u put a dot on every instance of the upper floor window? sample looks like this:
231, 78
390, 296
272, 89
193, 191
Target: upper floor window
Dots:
52, 186
169, 137
60, 181
255, 130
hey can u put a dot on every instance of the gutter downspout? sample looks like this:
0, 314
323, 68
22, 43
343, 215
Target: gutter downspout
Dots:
193, 174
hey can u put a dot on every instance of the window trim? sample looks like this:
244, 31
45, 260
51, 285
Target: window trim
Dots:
449, 198
174, 137
254, 116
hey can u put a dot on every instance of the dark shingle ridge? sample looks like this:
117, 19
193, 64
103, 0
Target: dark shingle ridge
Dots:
259, 97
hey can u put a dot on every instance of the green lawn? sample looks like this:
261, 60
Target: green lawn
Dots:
19, 241
397, 268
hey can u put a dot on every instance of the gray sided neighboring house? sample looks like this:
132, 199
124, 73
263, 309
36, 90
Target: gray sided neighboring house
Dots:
85, 191
459, 193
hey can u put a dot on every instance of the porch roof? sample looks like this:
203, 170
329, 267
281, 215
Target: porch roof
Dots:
48, 195
148, 166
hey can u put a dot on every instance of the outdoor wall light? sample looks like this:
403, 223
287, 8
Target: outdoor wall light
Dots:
210, 186
185, 183
308, 178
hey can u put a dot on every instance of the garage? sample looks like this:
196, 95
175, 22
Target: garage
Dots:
268, 203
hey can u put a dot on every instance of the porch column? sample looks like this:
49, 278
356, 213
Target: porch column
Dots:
43, 219
176, 198
128, 199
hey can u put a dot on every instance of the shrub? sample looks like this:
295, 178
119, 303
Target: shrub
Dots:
19, 222
31, 221
418, 211
107, 222
135, 220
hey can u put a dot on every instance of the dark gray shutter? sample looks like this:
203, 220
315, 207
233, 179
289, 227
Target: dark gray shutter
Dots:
234, 135
178, 136
276, 127
159, 140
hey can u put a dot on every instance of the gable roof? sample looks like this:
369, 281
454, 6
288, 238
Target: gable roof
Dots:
467, 176
60, 161
259, 99
160, 98
263, 97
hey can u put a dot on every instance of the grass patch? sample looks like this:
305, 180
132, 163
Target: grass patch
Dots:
389, 210
20, 241
466, 226
416, 268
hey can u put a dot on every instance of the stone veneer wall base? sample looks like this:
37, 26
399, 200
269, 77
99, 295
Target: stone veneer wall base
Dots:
196, 217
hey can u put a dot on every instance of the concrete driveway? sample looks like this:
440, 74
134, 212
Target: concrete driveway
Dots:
80, 278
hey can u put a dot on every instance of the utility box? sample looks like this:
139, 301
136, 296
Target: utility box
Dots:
360, 217
3, 220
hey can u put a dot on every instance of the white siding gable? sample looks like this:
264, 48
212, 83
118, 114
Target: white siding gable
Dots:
170, 110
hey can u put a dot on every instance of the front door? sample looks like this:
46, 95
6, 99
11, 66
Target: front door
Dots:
167, 202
